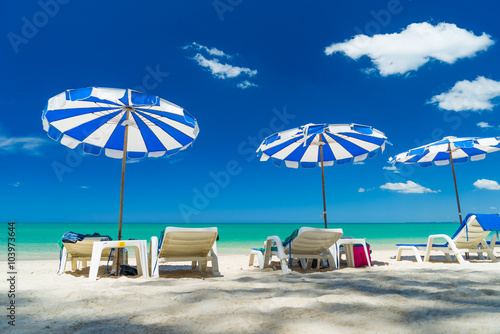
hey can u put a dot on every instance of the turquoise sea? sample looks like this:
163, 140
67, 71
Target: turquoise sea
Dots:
39, 240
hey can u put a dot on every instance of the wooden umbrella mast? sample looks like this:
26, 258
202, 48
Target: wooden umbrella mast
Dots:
323, 177
456, 189
124, 158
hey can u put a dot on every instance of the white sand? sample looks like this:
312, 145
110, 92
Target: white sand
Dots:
391, 297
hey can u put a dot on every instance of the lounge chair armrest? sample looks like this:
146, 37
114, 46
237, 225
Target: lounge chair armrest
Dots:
275, 238
279, 245
451, 244
434, 236
268, 249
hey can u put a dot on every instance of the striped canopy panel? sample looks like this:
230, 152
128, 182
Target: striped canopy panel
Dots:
342, 143
96, 117
438, 153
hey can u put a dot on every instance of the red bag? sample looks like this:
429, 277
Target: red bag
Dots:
360, 257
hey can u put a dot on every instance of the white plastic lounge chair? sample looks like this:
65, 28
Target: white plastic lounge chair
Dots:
310, 243
470, 237
197, 245
80, 253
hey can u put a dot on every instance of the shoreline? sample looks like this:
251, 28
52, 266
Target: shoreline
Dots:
390, 297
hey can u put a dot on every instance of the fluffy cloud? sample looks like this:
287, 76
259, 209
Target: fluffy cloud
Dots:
391, 168
469, 95
409, 187
222, 71
218, 68
211, 51
487, 184
21, 144
245, 84
419, 43
484, 125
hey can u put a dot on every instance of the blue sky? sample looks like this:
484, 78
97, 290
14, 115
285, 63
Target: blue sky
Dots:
415, 70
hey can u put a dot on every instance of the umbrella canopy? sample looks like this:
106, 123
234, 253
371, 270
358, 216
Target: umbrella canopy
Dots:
123, 122
98, 117
323, 145
449, 149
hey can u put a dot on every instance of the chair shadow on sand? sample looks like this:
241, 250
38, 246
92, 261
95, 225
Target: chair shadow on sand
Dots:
441, 259
275, 265
184, 271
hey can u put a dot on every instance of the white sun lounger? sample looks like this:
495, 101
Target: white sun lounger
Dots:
470, 237
80, 253
310, 243
196, 245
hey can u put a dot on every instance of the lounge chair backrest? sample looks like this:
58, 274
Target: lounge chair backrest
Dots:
187, 241
314, 240
470, 237
84, 248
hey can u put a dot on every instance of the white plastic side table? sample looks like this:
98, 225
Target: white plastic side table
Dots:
141, 255
349, 250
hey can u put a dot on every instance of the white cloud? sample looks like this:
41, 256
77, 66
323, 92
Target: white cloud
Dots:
409, 187
222, 71
469, 95
245, 84
493, 208
419, 43
361, 190
219, 69
358, 163
487, 184
211, 51
21, 144
391, 168
484, 125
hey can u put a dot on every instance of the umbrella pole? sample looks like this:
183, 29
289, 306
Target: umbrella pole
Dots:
118, 250
456, 189
323, 178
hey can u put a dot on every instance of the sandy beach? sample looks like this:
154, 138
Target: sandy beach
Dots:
390, 297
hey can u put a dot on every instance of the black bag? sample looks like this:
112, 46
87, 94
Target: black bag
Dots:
127, 270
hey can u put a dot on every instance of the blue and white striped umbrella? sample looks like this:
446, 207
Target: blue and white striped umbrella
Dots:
449, 149
343, 143
97, 117
438, 153
323, 145
123, 122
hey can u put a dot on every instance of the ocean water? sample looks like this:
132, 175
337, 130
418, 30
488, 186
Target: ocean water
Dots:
39, 240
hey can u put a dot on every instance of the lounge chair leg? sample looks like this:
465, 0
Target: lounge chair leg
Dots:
267, 253
284, 267
331, 259
64, 260
215, 263
400, 250
260, 258
203, 265
250, 261
417, 255
153, 256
